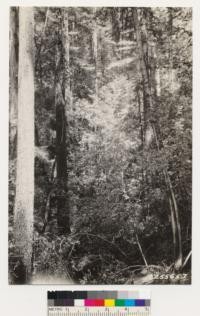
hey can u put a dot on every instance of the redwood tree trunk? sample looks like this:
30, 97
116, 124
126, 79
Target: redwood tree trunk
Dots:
149, 109
24, 200
13, 72
61, 102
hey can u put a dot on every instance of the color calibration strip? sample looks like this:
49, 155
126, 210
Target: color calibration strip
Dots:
100, 303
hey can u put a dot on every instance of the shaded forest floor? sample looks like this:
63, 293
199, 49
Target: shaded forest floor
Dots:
102, 247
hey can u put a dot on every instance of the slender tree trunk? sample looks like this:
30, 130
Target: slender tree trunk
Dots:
71, 70
171, 70
173, 225
116, 34
158, 82
24, 201
66, 46
13, 70
122, 29
175, 216
61, 163
141, 251
95, 53
141, 119
151, 121
176, 221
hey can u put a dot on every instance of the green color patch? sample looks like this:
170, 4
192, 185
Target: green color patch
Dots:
119, 302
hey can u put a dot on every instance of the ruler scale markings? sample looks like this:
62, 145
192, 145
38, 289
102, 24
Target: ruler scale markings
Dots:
81, 312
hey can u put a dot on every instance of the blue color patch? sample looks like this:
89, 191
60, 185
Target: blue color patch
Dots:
130, 303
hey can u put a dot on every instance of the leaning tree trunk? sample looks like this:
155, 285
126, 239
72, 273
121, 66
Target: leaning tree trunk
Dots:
24, 200
13, 72
150, 107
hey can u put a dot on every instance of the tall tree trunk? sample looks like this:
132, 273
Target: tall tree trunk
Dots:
61, 163
13, 72
150, 107
24, 200
170, 34
62, 88
95, 53
141, 121
116, 32
66, 45
175, 217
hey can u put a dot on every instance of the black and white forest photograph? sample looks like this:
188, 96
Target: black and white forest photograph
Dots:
100, 145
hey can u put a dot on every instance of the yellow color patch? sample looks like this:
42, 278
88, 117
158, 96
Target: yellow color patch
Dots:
109, 303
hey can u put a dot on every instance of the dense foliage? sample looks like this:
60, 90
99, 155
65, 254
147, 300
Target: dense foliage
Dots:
118, 202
